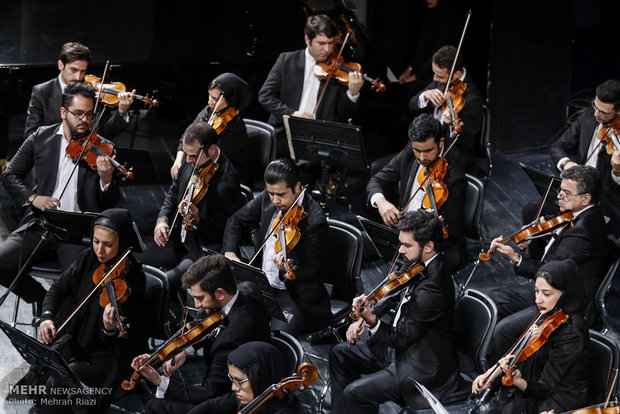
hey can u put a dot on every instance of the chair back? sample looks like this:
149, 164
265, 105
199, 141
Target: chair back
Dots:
343, 260
474, 202
246, 194
601, 293
604, 357
485, 137
156, 297
291, 349
262, 146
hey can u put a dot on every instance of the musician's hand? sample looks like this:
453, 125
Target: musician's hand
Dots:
45, 202
303, 114
147, 371
478, 385
47, 331
160, 234
523, 245
505, 362
125, 99
278, 260
388, 211
105, 169
194, 214
355, 331
615, 163
447, 117
407, 76
435, 96
569, 164
174, 170
175, 363
356, 80
503, 249
232, 256
548, 412
366, 312
109, 323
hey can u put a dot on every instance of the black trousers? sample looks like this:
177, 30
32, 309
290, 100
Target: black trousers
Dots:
296, 322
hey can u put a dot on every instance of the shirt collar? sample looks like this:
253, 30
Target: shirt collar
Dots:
229, 305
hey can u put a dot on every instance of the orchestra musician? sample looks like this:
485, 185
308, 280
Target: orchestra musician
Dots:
291, 88
228, 93
220, 201
87, 189
421, 334
46, 97
213, 287
432, 96
303, 298
425, 148
556, 376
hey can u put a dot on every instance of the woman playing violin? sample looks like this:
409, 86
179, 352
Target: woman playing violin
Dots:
89, 340
555, 376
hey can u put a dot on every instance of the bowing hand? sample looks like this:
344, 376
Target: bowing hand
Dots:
355, 331
47, 331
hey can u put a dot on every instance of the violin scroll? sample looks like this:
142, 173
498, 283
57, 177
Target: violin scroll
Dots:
307, 375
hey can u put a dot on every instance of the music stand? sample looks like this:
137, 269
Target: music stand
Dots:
383, 238
546, 184
77, 225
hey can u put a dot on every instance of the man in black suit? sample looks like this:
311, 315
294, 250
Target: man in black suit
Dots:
464, 152
291, 88
304, 298
44, 105
579, 144
418, 344
425, 147
86, 189
213, 287
585, 241
208, 215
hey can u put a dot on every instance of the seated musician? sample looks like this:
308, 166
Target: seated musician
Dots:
228, 95
211, 283
584, 241
421, 334
580, 144
86, 189
304, 298
464, 153
425, 148
178, 247
45, 101
91, 342
556, 376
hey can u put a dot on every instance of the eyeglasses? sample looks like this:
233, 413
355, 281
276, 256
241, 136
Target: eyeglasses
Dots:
236, 381
601, 113
567, 194
81, 115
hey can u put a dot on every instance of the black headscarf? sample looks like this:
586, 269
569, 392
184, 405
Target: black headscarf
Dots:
565, 275
119, 219
236, 91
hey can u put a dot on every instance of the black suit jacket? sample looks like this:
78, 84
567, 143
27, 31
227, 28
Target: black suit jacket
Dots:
247, 321
464, 152
423, 339
574, 144
306, 289
44, 109
401, 171
281, 93
40, 151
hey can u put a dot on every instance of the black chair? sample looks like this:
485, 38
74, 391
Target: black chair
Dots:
262, 147
605, 356
472, 210
246, 193
485, 139
156, 296
290, 347
603, 290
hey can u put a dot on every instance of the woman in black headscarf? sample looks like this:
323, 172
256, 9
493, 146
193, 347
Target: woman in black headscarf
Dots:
234, 93
252, 367
555, 377
90, 342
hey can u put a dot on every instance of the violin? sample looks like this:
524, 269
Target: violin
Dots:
196, 189
335, 67
288, 234
219, 121
188, 335
390, 284
436, 192
306, 376
108, 92
538, 228
608, 133
88, 148
454, 103
606, 407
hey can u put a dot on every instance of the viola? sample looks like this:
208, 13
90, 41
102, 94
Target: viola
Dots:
436, 192
188, 335
538, 228
108, 92
306, 376
288, 234
391, 284
89, 147
220, 120
196, 189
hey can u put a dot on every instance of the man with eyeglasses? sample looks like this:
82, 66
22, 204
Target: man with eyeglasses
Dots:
580, 145
59, 185
584, 240
45, 100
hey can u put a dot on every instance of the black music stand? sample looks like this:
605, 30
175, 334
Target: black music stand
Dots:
330, 144
384, 239
546, 185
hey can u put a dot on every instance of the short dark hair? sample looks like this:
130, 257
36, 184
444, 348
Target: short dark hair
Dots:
444, 57
212, 272
77, 88
73, 51
201, 132
424, 127
282, 169
609, 92
319, 24
426, 227
588, 180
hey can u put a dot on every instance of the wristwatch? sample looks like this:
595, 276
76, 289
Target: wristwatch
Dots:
32, 198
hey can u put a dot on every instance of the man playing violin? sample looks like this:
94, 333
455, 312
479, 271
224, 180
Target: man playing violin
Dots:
464, 152
213, 287
291, 88
580, 144
45, 101
424, 151
55, 188
304, 298
176, 248
418, 343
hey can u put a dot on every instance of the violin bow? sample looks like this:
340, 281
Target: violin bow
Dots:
334, 64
